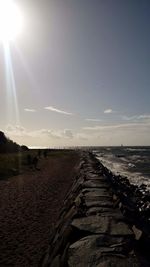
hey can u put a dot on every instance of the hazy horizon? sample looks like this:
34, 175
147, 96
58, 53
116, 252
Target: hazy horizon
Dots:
78, 74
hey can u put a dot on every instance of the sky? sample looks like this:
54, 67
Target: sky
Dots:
78, 74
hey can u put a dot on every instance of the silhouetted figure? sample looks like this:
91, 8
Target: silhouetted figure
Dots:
45, 153
39, 153
35, 162
29, 160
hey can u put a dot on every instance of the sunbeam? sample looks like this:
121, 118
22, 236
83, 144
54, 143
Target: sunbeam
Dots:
12, 102
35, 89
27, 68
11, 23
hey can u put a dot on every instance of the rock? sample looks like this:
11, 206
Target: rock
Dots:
93, 224
102, 225
120, 229
137, 232
98, 210
105, 212
97, 191
90, 231
99, 251
96, 197
78, 200
91, 176
95, 183
96, 203
116, 261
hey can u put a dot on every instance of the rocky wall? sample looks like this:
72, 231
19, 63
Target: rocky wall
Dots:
92, 231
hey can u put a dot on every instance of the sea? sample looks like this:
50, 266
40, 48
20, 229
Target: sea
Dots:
131, 162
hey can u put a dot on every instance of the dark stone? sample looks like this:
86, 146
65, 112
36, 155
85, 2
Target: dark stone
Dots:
101, 225
96, 203
93, 224
97, 191
95, 183
105, 212
99, 251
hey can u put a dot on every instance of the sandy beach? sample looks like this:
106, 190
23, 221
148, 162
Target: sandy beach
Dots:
30, 205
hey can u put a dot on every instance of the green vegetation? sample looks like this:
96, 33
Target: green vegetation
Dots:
12, 157
17, 163
15, 159
12, 164
6, 145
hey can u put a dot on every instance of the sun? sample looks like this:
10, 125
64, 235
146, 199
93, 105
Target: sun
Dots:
11, 20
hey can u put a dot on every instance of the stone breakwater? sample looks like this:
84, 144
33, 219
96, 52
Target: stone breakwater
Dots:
134, 200
92, 231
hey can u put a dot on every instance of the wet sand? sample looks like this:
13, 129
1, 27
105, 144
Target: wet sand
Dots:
30, 205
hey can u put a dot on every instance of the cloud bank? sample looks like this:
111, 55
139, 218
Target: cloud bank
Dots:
137, 117
94, 120
29, 110
58, 110
133, 130
108, 111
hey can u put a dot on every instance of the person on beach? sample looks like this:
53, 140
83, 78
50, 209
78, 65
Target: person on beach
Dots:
39, 153
29, 160
45, 153
35, 162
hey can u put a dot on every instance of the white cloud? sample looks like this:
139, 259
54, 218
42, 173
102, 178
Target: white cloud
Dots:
137, 117
29, 110
144, 116
9, 128
16, 130
129, 133
132, 133
94, 120
116, 126
68, 133
49, 133
108, 111
126, 118
58, 110
82, 136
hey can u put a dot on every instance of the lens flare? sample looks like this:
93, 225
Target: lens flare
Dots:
11, 20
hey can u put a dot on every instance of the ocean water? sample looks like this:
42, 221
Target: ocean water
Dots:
132, 162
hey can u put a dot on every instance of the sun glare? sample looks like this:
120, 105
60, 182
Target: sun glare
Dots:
10, 20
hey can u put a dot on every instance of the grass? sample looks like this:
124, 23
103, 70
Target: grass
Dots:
12, 164
16, 163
